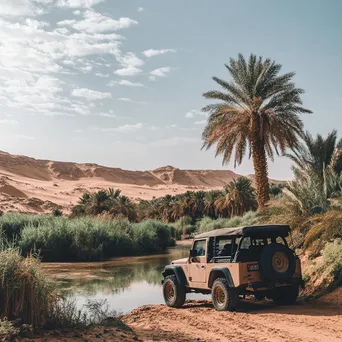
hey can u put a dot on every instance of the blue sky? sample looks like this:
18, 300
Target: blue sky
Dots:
120, 82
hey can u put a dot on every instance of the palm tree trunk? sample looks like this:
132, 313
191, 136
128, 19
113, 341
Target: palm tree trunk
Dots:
261, 172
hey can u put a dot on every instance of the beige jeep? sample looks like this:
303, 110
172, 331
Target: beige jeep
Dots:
231, 263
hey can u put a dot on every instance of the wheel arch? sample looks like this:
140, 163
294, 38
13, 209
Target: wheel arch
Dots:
178, 272
220, 272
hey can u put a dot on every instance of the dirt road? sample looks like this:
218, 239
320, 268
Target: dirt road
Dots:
254, 321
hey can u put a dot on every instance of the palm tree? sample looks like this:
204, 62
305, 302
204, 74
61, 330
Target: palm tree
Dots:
317, 160
314, 155
209, 203
239, 197
258, 112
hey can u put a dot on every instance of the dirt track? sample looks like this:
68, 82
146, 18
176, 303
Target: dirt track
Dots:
254, 321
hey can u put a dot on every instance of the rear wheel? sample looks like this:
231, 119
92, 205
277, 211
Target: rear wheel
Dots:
224, 298
174, 293
286, 295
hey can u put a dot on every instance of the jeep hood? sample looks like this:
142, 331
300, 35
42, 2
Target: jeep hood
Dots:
180, 261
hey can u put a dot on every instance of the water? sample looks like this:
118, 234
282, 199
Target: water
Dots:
126, 283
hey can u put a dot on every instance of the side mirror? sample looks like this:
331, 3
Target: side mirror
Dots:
193, 253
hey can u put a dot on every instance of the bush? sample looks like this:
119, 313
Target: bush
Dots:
12, 224
323, 228
25, 293
332, 257
87, 239
151, 236
208, 224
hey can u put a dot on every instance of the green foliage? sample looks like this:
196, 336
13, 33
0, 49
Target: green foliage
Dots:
332, 257
151, 236
11, 224
25, 294
85, 238
57, 213
275, 190
323, 228
208, 224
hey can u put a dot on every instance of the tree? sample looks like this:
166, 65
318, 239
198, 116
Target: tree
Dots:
239, 197
319, 157
258, 112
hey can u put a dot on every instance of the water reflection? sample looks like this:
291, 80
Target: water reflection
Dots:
125, 282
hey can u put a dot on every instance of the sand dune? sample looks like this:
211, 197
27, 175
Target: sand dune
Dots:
32, 185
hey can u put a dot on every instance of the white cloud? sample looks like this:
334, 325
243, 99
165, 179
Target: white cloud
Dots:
90, 95
194, 112
76, 12
100, 74
129, 71
140, 9
125, 128
19, 8
171, 126
34, 57
201, 122
125, 83
8, 122
152, 52
130, 64
160, 72
78, 3
125, 99
94, 22
108, 115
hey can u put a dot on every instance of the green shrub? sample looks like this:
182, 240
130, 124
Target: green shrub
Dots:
332, 257
208, 224
323, 228
25, 294
86, 239
151, 236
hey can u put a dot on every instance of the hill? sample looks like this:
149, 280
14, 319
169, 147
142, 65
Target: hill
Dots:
33, 185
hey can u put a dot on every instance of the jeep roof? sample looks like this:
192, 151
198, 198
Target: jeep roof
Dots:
267, 229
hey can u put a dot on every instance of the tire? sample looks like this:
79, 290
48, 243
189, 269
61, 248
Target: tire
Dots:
277, 262
174, 293
224, 298
286, 295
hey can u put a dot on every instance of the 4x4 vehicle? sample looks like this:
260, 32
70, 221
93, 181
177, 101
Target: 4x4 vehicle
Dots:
234, 262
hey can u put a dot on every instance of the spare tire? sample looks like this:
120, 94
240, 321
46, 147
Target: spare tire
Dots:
277, 262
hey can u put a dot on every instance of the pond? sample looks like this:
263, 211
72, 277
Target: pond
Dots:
126, 283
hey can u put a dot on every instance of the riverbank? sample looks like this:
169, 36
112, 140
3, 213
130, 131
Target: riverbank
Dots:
254, 321
198, 321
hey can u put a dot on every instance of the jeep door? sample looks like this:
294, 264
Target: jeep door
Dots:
198, 264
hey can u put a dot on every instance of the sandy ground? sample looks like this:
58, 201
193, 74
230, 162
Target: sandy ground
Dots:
254, 321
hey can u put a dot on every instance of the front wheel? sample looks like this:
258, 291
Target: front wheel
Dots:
224, 298
286, 295
174, 293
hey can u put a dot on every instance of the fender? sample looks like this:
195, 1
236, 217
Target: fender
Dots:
178, 272
221, 270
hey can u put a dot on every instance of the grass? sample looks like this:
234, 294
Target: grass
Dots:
30, 302
332, 258
25, 294
85, 239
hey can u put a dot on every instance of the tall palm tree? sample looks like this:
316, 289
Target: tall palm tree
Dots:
258, 111
319, 158
315, 154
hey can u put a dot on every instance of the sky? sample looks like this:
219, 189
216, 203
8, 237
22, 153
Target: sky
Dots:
120, 82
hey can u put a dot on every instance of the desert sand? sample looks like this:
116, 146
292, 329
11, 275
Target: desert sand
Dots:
38, 186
